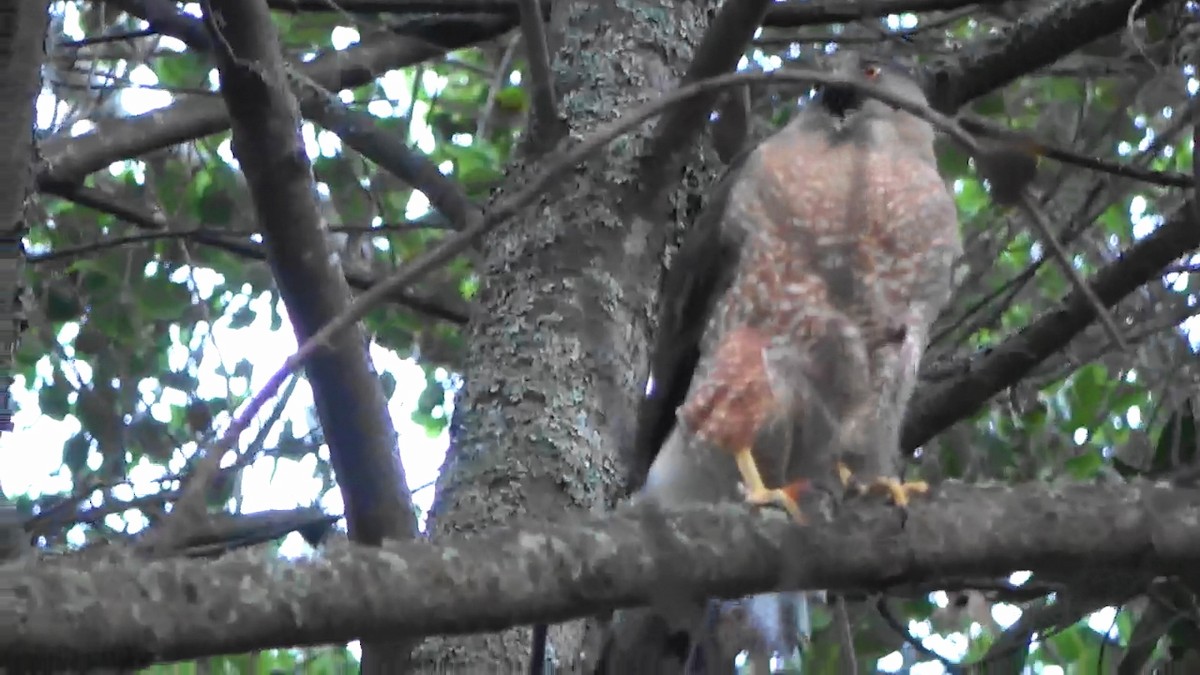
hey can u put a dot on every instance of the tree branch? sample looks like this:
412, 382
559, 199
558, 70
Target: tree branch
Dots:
362, 132
545, 107
182, 609
1039, 38
265, 118
69, 158
453, 311
22, 32
718, 53
981, 126
944, 404
356, 129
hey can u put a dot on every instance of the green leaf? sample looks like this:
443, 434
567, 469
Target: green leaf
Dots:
1085, 466
276, 317
991, 105
179, 70
216, 204
430, 412
1088, 391
53, 400
1177, 440
243, 369
61, 306
1068, 643
242, 318
160, 299
511, 99
388, 380
75, 453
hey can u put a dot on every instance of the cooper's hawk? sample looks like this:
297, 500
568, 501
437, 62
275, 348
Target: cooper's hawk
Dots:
794, 317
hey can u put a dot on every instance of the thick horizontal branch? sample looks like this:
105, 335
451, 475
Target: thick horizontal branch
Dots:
136, 610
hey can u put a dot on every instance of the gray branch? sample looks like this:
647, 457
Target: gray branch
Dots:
126, 612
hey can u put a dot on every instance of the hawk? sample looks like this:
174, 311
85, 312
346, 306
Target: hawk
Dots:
793, 320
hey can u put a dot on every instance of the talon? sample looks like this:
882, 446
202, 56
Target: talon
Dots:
844, 474
899, 492
760, 495
778, 498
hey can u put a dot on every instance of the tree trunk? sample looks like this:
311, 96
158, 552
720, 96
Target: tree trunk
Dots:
22, 41
558, 351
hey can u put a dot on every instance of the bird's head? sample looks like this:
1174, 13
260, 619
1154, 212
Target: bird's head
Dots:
844, 101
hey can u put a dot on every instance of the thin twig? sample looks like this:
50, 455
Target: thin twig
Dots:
1196, 160
256, 445
979, 125
499, 79
537, 53
1058, 253
846, 637
361, 131
893, 623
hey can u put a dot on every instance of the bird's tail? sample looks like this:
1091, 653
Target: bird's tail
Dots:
782, 622
767, 626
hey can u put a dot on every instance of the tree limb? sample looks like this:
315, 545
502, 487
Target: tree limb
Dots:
718, 53
182, 609
265, 120
1039, 38
69, 158
451, 309
545, 106
22, 36
944, 404
361, 131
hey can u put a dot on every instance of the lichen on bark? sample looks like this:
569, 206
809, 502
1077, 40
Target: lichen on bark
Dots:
557, 355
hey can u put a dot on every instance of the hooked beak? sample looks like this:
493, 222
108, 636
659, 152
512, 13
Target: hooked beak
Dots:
839, 99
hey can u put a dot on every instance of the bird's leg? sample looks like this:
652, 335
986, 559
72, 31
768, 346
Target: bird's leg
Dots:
899, 491
759, 494
844, 474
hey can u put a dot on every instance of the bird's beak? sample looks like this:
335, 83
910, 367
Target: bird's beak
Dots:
839, 99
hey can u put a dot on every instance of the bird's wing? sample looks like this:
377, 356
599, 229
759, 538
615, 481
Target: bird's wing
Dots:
702, 272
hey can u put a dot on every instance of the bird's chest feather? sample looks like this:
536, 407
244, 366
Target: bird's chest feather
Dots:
836, 227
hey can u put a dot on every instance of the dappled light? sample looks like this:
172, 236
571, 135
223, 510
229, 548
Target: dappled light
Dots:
371, 335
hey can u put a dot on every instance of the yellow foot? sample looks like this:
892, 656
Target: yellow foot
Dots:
779, 498
899, 492
844, 474
759, 494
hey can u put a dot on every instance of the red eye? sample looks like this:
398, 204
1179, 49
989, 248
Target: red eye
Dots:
872, 71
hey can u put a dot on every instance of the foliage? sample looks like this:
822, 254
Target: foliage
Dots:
122, 346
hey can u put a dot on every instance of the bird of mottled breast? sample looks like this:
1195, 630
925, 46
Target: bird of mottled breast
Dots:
791, 325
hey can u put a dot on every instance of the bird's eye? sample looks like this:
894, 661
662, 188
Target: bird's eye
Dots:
872, 71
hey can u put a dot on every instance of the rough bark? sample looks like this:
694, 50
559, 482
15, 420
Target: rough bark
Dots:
22, 38
346, 389
558, 348
114, 612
